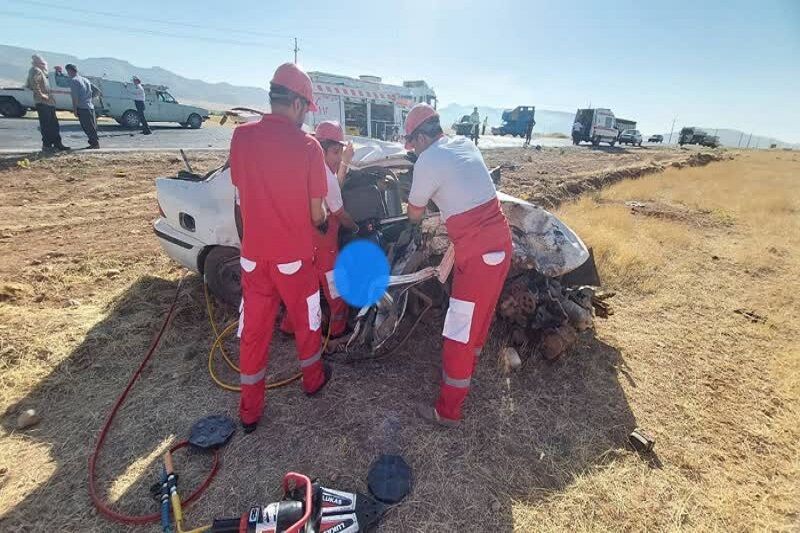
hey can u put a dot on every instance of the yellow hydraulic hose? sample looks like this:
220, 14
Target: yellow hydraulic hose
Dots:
219, 337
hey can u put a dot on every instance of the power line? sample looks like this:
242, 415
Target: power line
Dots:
157, 21
138, 31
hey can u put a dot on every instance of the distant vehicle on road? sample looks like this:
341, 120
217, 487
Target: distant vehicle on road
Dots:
16, 101
515, 121
465, 126
692, 135
111, 98
116, 101
656, 139
630, 137
596, 126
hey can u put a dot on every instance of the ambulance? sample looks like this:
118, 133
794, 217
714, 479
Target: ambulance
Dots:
366, 107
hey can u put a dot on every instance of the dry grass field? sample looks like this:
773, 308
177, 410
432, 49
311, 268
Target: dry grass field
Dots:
702, 352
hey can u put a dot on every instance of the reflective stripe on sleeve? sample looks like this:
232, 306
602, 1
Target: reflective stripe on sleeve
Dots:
252, 379
457, 383
305, 363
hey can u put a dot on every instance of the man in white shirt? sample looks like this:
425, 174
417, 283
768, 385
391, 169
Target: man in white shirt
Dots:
451, 173
338, 155
138, 100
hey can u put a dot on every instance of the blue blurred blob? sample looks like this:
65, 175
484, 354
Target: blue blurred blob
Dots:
361, 273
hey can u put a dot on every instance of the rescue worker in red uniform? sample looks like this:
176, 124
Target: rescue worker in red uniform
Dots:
278, 172
326, 244
451, 173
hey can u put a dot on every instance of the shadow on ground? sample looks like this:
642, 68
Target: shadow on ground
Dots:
524, 438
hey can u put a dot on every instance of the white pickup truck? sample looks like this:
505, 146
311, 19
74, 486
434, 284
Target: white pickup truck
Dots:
16, 101
113, 99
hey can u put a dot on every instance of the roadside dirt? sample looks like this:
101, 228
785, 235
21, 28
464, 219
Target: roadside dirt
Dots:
550, 176
84, 286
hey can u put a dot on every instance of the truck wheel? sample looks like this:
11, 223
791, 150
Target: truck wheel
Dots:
223, 274
10, 108
130, 119
195, 121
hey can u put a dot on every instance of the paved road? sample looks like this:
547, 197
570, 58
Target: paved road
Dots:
22, 134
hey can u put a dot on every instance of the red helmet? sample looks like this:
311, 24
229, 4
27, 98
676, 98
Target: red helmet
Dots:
418, 114
330, 130
293, 78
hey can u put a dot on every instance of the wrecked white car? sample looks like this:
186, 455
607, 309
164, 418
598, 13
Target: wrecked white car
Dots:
197, 229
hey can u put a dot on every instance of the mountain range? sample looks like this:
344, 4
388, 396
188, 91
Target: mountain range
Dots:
15, 62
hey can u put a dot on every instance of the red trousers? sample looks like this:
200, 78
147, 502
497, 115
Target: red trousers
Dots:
477, 284
264, 286
325, 252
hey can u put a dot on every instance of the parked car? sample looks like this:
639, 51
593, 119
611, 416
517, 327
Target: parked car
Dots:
116, 101
197, 229
631, 137
16, 101
656, 139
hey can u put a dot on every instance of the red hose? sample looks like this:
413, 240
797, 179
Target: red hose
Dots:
101, 505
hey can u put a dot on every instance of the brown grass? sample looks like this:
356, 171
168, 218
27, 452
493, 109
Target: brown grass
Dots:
542, 450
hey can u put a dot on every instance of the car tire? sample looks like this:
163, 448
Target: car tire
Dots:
130, 119
194, 121
223, 274
10, 108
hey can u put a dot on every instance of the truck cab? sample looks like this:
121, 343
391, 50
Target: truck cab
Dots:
515, 121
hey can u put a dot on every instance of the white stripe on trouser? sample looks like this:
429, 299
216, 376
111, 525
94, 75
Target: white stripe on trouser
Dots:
240, 329
457, 383
305, 363
252, 379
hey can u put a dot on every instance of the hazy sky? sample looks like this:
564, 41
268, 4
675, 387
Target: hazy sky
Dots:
725, 63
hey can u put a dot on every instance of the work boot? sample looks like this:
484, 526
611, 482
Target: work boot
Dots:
328, 370
62, 148
94, 147
249, 428
148, 132
48, 148
429, 413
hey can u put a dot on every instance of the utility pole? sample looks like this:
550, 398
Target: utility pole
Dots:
296, 49
672, 129
741, 135
749, 139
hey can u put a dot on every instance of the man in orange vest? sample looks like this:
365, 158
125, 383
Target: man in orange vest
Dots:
279, 175
451, 173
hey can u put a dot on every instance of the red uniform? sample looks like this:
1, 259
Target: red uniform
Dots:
276, 169
452, 173
326, 248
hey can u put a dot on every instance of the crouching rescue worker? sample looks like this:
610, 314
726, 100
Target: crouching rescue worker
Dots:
326, 240
279, 175
451, 173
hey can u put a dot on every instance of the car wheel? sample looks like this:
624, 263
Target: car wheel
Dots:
195, 121
10, 108
223, 274
130, 119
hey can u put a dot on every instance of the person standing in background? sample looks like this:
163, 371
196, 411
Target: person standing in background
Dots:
138, 100
82, 105
529, 131
485, 122
475, 118
45, 105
